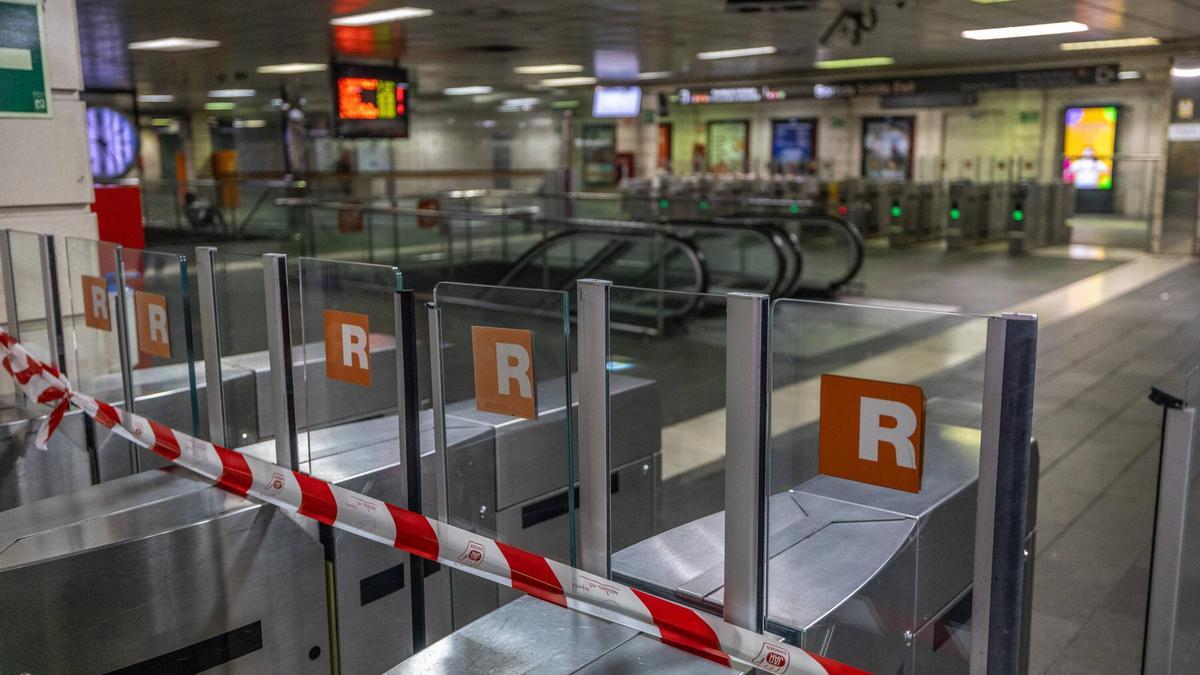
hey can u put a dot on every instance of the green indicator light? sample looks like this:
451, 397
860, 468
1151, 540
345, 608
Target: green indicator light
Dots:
794, 208
1018, 215
955, 214
703, 205
662, 203
896, 212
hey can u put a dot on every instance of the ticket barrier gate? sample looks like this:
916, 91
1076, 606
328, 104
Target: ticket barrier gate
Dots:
1039, 215
976, 213
914, 213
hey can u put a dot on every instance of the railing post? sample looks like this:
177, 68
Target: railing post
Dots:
1168, 562
747, 435
210, 338
279, 347
1002, 517
595, 542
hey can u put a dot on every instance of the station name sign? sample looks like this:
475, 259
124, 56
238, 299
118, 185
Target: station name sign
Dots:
962, 84
729, 95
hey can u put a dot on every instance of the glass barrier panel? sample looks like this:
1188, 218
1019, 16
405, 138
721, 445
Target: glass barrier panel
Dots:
509, 460
30, 293
90, 330
874, 459
239, 293
348, 345
162, 342
667, 454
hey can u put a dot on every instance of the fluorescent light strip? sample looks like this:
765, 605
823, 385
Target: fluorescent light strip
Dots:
382, 16
231, 93
655, 75
293, 68
249, 124
467, 91
1032, 30
736, 53
218, 105
567, 81
155, 98
174, 44
548, 69
1110, 44
511, 102
862, 62
1185, 72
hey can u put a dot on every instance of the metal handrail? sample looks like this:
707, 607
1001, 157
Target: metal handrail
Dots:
858, 244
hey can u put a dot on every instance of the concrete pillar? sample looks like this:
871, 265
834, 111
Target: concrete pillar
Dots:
45, 176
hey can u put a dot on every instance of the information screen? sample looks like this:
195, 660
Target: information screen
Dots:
794, 146
1089, 143
370, 100
617, 102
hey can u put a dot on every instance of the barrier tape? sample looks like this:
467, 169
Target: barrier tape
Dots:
674, 624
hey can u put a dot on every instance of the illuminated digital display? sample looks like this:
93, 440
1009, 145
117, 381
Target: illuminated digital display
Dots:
1089, 143
370, 100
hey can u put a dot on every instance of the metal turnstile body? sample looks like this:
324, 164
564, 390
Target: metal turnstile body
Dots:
527, 636
28, 474
856, 571
161, 572
1039, 215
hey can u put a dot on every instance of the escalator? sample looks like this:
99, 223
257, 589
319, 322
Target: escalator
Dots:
833, 248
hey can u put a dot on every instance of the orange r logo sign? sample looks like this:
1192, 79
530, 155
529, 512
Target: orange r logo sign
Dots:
153, 335
347, 353
504, 380
872, 432
95, 303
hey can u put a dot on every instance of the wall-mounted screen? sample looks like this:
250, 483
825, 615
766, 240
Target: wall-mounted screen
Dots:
794, 146
1089, 143
370, 100
887, 144
617, 102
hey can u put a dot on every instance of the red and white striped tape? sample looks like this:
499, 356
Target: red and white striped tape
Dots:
676, 625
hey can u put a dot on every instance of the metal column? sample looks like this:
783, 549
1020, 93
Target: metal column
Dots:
1168, 563
279, 346
123, 344
595, 541
437, 382
747, 435
1001, 520
408, 413
53, 303
210, 338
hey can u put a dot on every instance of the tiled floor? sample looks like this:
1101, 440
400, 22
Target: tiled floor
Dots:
1098, 435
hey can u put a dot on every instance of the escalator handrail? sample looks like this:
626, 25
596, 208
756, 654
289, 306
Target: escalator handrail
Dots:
858, 244
694, 255
783, 243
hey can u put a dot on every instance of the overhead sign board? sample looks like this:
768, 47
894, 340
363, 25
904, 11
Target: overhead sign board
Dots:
370, 100
24, 79
1046, 78
729, 95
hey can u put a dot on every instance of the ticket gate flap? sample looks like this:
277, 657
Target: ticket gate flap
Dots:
532, 636
913, 552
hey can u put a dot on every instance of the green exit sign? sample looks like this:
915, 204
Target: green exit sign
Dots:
1030, 116
24, 83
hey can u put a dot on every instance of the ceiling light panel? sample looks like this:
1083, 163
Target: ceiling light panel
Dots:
174, 44
382, 16
1032, 30
736, 53
1120, 43
861, 62
467, 91
567, 81
549, 69
231, 93
293, 68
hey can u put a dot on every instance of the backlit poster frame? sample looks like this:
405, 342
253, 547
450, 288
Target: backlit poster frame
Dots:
722, 151
1091, 199
598, 146
874, 166
780, 145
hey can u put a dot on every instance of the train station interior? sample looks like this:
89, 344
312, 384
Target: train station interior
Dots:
600, 336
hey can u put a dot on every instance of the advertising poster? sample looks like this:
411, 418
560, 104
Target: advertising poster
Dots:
728, 145
1089, 143
794, 146
598, 144
664, 146
887, 144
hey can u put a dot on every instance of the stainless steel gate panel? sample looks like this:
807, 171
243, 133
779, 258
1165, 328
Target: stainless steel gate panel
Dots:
532, 636
159, 571
860, 564
531, 455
